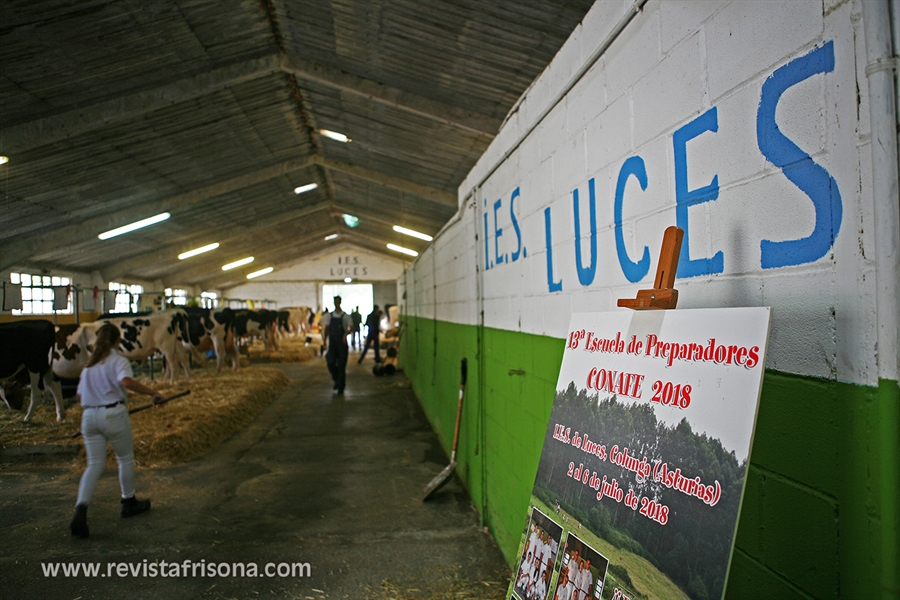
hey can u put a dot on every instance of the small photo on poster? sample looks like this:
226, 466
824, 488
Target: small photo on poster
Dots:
583, 572
539, 557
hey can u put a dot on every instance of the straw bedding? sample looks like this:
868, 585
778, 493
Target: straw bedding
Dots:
289, 350
218, 405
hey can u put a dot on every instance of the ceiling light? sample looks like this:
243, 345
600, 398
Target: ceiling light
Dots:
136, 225
260, 272
197, 251
415, 234
397, 248
306, 188
351, 221
237, 263
4, 160
348, 279
334, 135
330, 237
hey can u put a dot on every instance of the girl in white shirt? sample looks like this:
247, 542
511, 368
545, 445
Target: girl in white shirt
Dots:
101, 391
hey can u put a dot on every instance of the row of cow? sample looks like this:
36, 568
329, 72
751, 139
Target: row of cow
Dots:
49, 353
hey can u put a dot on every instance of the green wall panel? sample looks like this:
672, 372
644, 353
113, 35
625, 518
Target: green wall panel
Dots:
810, 520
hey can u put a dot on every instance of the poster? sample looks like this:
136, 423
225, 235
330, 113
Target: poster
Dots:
644, 461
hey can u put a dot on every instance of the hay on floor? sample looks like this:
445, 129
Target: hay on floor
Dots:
218, 406
290, 350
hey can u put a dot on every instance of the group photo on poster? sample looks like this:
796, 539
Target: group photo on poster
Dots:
538, 558
645, 454
582, 572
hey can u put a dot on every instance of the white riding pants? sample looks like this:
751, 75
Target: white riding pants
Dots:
100, 426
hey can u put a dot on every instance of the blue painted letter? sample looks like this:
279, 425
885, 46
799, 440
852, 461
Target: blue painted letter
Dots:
586, 275
634, 271
498, 233
797, 165
515, 222
685, 198
487, 264
554, 286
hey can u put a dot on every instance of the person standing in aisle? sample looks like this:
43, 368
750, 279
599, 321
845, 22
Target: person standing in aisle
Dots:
324, 317
337, 327
373, 333
357, 321
102, 394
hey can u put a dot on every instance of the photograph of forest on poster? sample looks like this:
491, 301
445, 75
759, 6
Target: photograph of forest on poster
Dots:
693, 546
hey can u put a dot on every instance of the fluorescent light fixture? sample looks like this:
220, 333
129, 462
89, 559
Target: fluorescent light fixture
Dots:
415, 234
306, 188
4, 160
334, 135
136, 225
260, 272
237, 263
328, 238
197, 251
397, 248
348, 280
351, 221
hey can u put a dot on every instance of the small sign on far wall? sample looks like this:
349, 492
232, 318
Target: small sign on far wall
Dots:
12, 296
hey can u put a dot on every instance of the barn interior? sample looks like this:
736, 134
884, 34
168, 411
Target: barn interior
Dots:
302, 134
278, 130
428, 157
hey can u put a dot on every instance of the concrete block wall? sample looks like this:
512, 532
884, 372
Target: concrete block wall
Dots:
285, 293
745, 123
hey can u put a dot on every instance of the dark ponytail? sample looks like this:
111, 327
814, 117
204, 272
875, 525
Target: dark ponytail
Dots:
108, 337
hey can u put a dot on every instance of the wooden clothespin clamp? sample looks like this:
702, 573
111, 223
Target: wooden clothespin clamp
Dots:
663, 295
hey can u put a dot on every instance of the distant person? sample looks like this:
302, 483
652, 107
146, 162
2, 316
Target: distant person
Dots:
357, 321
337, 328
373, 333
102, 393
323, 321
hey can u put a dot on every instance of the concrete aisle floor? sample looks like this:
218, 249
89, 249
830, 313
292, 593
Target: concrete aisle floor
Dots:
327, 480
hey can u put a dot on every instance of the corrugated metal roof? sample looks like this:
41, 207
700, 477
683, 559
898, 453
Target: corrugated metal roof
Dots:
115, 110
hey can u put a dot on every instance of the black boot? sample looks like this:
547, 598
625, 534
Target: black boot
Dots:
132, 506
79, 522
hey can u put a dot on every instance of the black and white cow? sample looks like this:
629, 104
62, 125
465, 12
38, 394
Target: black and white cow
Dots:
27, 345
142, 335
210, 326
282, 320
257, 323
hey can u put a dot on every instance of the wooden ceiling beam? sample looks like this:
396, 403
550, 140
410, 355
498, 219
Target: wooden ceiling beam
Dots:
57, 127
382, 218
397, 183
21, 250
269, 257
436, 110
237, 237
70, 123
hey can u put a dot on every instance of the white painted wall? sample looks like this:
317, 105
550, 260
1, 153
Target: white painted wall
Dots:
300, 284
347, 261
285, 293
682, 86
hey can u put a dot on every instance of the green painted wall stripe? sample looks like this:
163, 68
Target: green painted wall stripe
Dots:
811, 522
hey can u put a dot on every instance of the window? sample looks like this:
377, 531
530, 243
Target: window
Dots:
178, 297
126, 297
38, 293
209, 299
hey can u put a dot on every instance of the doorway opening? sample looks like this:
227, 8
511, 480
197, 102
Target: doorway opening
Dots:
352, 295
